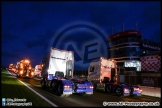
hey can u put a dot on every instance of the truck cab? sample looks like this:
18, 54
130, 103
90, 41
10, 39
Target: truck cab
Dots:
37, 70
57, 72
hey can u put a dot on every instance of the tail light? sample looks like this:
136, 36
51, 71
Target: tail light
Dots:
136, 89
66, 86
126, 90
91, 87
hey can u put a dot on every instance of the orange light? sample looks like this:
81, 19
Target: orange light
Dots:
26, 61
21, 72
32, 73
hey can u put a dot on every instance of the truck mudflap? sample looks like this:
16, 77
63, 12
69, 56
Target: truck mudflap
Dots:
126, 94
66, 94
89, 93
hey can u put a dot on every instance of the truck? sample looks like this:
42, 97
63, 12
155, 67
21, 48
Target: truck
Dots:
57, 74
24, 69
103, 75
38, 70
12, 67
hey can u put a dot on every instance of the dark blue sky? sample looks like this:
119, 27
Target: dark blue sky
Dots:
29, 29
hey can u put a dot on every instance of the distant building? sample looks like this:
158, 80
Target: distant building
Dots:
127, 48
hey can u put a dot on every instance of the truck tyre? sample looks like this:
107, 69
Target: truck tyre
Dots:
53, 86
60, 91
43, 84
108, 88
119, 91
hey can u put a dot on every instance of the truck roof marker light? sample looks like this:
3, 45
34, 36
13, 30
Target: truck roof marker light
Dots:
26, 61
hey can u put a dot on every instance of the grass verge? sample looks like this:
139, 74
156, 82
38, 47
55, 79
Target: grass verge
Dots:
12, 88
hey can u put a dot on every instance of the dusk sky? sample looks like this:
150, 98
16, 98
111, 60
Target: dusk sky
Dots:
29, 29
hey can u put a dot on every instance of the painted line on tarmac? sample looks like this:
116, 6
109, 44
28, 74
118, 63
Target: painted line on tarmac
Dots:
51, 103
54, 105
37, 78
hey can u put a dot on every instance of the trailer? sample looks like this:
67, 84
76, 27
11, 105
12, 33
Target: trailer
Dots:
103, 75
57, 74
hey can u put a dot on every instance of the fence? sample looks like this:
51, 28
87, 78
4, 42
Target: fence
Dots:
143, 79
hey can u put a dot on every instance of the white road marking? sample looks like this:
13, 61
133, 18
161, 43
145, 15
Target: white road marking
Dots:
54, 105
51, 103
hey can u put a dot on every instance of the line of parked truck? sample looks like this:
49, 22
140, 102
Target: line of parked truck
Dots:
56, 72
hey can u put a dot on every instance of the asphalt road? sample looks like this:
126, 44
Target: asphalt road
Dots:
76, 100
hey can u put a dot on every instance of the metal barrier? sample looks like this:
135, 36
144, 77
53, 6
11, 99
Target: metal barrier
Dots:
151, 91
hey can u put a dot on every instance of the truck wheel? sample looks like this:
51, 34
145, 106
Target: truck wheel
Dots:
108, 88
119, 91
43, 84
53, 86
60, 91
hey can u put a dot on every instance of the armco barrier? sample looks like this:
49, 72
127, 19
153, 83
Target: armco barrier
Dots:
151, 91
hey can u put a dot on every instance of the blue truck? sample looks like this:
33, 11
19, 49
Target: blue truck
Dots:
57, 74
